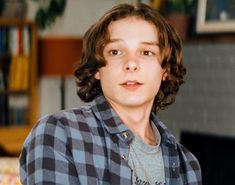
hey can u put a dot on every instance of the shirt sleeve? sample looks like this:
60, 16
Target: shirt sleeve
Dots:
45, 157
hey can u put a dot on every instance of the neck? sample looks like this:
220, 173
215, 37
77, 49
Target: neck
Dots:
137, 119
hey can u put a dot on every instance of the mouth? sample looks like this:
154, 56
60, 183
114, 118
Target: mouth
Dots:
131, 85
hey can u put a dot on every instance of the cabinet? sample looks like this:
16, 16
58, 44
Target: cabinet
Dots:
18, 82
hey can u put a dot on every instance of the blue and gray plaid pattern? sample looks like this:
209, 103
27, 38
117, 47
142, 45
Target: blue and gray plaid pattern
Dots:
90, 146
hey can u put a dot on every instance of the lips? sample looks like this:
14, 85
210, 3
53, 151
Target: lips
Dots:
131, 84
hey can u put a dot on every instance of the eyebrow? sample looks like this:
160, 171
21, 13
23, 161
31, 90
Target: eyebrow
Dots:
154, 43
151, 43
114, 40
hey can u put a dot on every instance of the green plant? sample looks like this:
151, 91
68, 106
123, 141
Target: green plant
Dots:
179, 6
47, 13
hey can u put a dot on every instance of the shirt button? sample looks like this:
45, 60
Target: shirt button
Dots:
125, 135
173, 166
123, 157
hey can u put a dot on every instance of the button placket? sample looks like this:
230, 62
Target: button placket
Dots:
123, 157
125, 135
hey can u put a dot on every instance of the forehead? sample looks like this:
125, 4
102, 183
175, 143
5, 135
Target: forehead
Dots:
130, 20
133, 27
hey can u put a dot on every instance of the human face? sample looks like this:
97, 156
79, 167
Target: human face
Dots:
133, 73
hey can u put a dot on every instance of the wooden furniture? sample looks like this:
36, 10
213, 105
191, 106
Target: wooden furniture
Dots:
58, 57
12, 135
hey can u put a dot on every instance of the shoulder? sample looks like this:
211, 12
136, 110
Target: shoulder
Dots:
189, 165
187, 157
67, 118
178, 157
60, 125
50, 143
174, 148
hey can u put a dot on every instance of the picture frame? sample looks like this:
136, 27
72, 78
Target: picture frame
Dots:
215, 16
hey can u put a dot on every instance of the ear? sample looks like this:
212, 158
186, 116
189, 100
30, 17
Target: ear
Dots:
166, 73
97, 75
164, 76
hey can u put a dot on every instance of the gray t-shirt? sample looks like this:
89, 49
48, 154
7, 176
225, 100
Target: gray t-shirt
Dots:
146, 161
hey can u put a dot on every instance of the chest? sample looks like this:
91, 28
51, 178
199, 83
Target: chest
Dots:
101, 159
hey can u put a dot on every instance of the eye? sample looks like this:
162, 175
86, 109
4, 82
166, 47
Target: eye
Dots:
114, 52
147, 53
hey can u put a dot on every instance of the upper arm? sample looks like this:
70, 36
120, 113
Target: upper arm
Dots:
190, 166
46, 158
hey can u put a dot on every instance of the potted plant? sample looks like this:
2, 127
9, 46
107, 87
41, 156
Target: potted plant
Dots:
48, 12
178, 13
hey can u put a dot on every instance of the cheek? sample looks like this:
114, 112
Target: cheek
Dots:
156, 71
106, 76
156, 77
110, 71
156, 82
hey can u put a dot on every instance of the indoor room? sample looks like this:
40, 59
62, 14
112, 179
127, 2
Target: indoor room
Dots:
41, 43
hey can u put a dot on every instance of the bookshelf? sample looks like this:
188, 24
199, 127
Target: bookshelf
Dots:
18, 82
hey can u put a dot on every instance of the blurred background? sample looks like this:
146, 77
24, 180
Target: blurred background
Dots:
41, 41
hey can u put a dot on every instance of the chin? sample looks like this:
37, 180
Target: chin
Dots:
130, 100
134, 102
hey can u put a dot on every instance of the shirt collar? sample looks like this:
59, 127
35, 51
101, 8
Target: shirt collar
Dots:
113, 124
166, 135
105, 113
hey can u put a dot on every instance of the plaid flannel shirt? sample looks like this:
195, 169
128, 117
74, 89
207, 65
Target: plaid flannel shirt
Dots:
89, 146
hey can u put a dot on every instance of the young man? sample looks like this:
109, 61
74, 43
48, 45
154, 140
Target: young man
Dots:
131, 66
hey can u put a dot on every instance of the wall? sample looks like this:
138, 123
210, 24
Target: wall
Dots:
50, 94
77, 18
206, 102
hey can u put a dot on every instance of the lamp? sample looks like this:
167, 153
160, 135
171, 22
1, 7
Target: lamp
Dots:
57, 57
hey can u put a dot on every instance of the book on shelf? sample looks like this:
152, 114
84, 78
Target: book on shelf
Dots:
14, 40
15, 51
4, 110
18, 109
14, 109
1, 81
4, 40
4, 106
19, 73
18, 49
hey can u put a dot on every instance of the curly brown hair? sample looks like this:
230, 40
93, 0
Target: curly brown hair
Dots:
97, 37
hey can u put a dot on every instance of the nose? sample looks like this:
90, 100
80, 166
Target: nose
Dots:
131, 65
